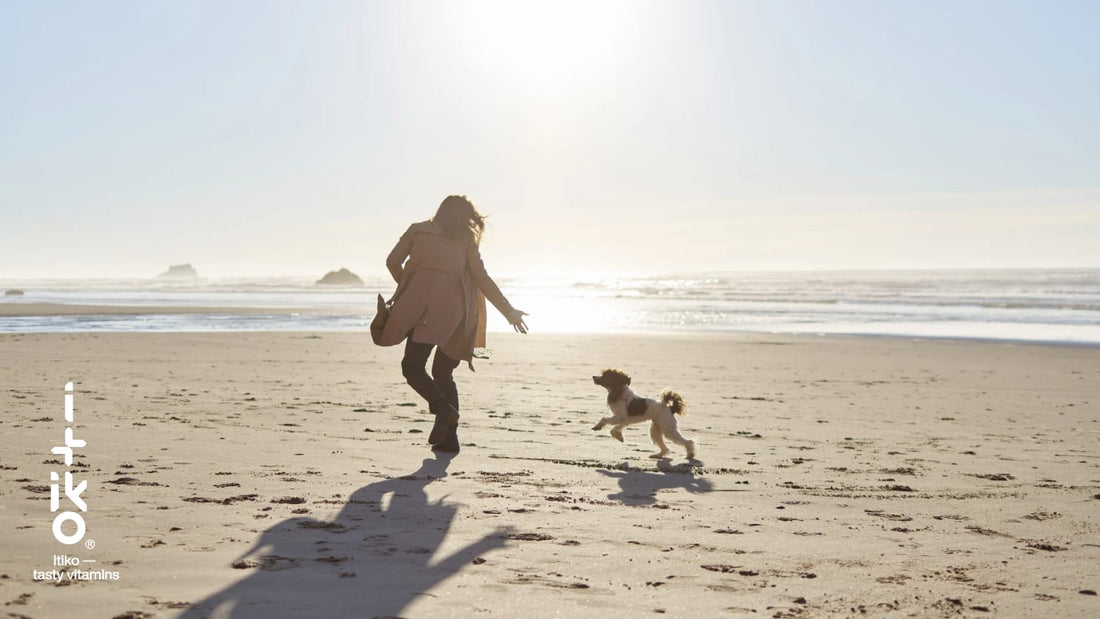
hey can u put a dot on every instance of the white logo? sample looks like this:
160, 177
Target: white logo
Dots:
71, 493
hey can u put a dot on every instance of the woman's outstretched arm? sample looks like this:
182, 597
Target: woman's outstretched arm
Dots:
492, 292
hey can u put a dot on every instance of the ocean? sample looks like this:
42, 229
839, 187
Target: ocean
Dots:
1044, 305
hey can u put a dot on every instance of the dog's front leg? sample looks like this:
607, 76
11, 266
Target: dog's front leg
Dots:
617, 432
603, 422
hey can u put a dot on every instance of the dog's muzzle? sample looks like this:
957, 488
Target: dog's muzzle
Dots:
596, 379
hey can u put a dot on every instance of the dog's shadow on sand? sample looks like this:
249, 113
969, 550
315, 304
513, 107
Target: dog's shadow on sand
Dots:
638, 487
372, 560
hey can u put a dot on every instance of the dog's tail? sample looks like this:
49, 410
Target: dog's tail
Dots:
674, 402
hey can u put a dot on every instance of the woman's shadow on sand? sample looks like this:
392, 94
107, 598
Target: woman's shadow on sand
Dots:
371, 560
639, 487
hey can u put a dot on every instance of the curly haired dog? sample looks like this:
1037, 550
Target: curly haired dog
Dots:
627, 408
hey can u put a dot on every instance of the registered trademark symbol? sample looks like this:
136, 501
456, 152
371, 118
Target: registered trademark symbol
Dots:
89, 544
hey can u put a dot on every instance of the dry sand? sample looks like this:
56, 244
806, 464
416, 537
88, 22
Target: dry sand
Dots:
286, 474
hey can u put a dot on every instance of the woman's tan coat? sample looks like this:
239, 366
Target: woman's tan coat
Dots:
441, 292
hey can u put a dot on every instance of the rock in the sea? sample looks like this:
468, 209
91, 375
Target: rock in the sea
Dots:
343, 277
13, 293
180, 271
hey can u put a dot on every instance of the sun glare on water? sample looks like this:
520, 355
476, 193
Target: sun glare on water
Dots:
553, 312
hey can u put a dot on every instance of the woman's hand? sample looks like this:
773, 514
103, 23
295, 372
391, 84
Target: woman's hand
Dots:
515, 317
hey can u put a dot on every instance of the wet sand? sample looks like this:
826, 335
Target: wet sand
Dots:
286, 474
9, 309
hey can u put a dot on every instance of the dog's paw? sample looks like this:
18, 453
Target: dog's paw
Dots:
618, 435
598, 426
659, 455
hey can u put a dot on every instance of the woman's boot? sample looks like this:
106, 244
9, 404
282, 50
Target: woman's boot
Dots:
446, 420
450, 443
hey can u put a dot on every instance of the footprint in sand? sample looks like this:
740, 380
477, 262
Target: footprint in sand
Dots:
529, 537
881, 514
983, 531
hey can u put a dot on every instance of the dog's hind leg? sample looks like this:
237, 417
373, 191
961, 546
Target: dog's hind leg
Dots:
655, 434
673, 434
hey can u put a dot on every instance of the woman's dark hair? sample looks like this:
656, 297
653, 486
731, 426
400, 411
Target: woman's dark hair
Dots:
460, 220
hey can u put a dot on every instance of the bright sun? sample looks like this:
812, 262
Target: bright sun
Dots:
540, 48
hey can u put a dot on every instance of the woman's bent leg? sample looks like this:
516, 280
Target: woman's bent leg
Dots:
413, 369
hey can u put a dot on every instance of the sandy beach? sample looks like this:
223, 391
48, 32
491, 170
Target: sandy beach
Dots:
859, 239
287, 474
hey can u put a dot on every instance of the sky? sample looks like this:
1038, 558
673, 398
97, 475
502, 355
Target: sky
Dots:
271, 137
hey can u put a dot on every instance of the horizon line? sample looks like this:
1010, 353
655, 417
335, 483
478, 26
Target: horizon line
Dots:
564, 273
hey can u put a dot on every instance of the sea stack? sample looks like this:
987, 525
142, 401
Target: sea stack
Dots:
343, 277
180, 271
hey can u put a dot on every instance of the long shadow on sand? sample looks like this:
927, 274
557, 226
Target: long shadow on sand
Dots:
638, 487
371, 560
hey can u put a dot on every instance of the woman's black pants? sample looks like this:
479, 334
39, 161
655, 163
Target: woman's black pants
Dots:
441, 384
